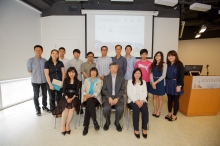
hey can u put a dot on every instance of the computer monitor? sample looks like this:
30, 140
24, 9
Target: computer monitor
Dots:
193, 70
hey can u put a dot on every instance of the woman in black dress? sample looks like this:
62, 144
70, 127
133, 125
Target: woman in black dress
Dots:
69, 102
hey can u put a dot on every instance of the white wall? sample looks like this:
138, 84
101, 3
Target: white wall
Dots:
20, 31
63, 30
166, 32
73, 28
201, 52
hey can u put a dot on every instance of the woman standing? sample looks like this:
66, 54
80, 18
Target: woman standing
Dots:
157, 76
69, 102
136, 90
174, 83
54, 69
91, 97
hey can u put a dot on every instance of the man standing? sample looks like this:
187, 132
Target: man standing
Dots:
102, 63
144, 65
131, 60
35, 66
86, 66
62, 52
113, 90
120, 60
77, 63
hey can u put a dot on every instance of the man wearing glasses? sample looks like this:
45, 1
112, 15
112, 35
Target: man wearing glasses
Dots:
86, 66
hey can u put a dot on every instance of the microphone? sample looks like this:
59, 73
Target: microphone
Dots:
207, 66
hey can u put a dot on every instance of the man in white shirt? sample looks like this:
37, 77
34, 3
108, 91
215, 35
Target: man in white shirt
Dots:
62, 52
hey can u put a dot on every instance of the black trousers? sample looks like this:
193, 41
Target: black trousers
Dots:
36, 89
80, 90
119, 107
136, 112
90, 111
54, 95
173, 99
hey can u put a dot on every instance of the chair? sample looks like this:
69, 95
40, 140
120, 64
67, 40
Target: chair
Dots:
129, 110
99, 106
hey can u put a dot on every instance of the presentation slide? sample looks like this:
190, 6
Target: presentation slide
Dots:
112, 30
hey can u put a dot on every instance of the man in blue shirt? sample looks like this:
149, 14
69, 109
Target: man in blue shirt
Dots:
35, 66
120, 60
131, 60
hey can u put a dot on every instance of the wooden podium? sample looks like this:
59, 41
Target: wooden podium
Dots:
201, 97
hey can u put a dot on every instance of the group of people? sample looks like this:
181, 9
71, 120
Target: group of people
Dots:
110, 82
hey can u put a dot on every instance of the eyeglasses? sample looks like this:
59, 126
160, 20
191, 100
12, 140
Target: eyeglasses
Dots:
89, 56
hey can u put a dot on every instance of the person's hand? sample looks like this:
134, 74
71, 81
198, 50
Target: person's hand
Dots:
51, 87
153, 83
115, 101
85, 97
69, 100
61, 86
110, 100
178, 89
141, 103
138, 103
102, 77
154, 87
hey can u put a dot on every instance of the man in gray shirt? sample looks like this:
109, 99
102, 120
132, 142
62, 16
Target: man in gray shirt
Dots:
86, 66
77, 63
35, 66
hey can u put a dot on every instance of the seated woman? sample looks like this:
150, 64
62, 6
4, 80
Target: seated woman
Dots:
69, 102
137, 93
91, 97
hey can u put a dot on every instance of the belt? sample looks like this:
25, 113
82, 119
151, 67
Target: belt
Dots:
70, 91
170, 78
156, 77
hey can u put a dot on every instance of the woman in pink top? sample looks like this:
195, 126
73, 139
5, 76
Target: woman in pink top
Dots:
145, 66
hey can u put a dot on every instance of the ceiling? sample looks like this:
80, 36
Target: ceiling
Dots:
193, 19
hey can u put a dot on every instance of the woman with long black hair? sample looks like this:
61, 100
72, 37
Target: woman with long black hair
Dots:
69, 102
137, 92
157, 77
174, 83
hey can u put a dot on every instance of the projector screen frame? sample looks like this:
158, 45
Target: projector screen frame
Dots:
152, 44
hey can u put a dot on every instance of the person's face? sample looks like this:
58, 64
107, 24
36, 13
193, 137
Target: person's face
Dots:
38, 51
113, 69
158, 57
128, 50
104, 51
90, 57
137, 75
144, 56
76, 55
71, 74
62, 52
118, 50
54, 55
171, 58
93, 74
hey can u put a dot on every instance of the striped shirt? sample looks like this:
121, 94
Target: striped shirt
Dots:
102, 64
36, 67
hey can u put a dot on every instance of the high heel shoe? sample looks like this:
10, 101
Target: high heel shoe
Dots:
168, 117
68, 132
172, 119
137, 135
144, 135
154, 115
63, 133
157, 116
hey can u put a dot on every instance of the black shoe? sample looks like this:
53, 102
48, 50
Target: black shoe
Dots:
96, 125
168, 117
85, 130
172, 119
137, 135
38, 113
154, 115
106, 127
118, 127
144, 135
46, 109
63, 133
68, 132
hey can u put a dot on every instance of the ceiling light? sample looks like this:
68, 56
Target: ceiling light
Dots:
170, 3
203, 28
200, 7
198, 35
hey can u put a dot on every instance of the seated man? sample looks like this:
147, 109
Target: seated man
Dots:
113, 90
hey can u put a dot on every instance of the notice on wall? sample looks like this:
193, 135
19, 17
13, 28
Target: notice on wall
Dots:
205, 82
